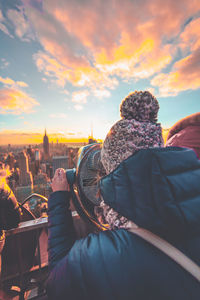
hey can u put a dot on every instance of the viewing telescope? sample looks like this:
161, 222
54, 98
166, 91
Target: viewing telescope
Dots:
83, 181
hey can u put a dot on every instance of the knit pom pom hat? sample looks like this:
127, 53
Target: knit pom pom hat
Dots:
137, 129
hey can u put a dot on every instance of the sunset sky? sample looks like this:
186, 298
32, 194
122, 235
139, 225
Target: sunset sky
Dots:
65, 65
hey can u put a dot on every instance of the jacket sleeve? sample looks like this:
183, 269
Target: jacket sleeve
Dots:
61, 233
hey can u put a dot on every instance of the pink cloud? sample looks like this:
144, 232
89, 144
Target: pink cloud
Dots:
21, 25
89, 43
185, 75
3, 26
190, 38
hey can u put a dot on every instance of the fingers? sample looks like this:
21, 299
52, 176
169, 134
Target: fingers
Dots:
60, 172
59, 182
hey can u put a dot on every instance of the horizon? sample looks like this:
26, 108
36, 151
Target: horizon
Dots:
67, 65
59, 138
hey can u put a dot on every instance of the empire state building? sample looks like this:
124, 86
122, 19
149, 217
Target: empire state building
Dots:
46, 146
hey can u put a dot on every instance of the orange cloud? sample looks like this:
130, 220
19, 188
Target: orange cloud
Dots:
9, 81
79, 76
14, 101
185, 75
95, 43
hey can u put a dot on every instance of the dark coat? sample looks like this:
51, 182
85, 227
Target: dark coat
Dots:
9, 210
158, 189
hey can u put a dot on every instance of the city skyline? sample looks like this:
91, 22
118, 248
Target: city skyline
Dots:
67, 65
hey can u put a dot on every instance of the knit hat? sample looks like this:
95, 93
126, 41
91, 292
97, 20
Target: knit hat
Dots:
137, 129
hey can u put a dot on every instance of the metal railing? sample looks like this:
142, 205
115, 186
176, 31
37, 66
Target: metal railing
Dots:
29, 269
25, 255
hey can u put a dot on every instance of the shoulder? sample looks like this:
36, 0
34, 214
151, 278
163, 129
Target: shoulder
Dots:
102, 245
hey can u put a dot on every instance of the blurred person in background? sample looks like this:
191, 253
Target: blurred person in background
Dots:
146, 186
186, 133
10, 212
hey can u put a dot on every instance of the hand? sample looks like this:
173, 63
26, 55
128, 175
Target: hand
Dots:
59, 182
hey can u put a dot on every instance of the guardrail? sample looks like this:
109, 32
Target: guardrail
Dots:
25, 258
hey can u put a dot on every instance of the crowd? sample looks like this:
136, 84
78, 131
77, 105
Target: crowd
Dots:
148, 187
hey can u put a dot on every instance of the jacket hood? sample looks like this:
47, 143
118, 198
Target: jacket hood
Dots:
158, 189
191, 120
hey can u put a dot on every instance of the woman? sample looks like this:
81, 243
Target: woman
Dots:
146, 186
9, 211
186, 133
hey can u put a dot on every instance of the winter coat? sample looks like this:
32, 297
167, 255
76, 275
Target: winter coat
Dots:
186, 133
9, 214
158, 189
9, 211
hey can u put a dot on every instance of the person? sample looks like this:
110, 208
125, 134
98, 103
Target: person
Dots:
186, 133
10, 212
146, 186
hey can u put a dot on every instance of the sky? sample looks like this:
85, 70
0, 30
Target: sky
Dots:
66, 65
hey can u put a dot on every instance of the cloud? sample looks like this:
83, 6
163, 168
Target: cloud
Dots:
190, 37
78, 107
66, 92
21, 25
7, 81
101, 93
10, 82
78, 76
185, 76
79, 98
4, 63
82, 46
3, 27
14, 101
51, 68
95, 44
58, 116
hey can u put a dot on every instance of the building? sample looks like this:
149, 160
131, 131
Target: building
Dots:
25, 176
22, 192
37, 160
59, 162
40, 178
37, 154
46, 146
10, 160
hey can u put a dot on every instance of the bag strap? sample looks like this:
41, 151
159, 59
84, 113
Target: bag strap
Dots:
175, 254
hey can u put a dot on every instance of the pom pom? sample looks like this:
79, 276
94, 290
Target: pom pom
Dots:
141, 106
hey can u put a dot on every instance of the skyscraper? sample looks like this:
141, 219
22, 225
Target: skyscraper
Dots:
46, 146
25, 177
60, 162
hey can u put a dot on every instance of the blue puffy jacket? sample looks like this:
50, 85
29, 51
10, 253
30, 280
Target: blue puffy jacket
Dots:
158, 189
